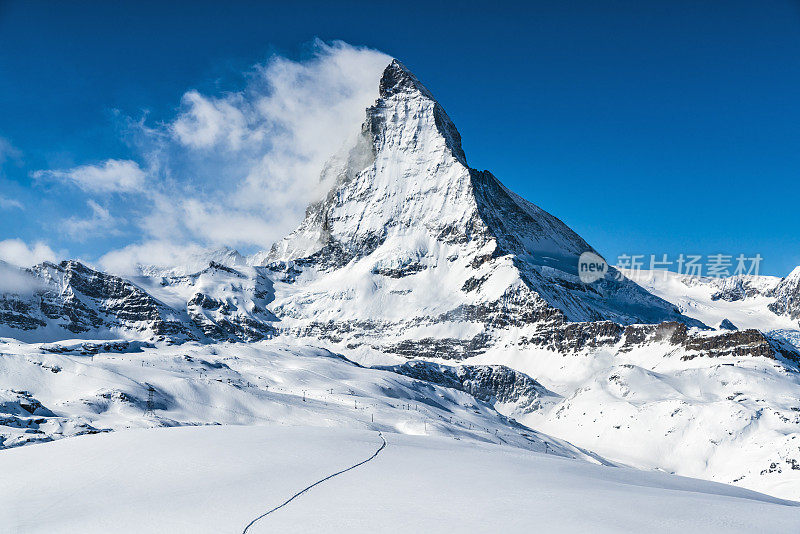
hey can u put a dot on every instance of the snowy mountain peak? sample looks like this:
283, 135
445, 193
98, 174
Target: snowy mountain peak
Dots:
411, 252
195, 262
406, 104
409, 234
397, 78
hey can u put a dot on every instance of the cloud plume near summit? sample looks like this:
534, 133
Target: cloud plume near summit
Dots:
237, 168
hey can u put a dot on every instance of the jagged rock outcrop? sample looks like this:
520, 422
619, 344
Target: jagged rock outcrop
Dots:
574, 337
73, 299
69, 300
489, 383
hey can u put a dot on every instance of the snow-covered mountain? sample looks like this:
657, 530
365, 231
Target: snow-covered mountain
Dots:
412, 253
415, 253
726, 412
417, 282
58, 301
68, 300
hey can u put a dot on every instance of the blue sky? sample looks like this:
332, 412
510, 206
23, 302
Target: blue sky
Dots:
649, 127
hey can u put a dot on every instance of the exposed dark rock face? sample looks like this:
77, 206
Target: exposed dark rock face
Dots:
489, 383
736, 288
400, 271
448, 348
738, 343
572, 337
670, 332
209, 303
88, 347
78, 299
18, 314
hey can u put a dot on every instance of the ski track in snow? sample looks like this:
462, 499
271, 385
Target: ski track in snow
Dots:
320, 481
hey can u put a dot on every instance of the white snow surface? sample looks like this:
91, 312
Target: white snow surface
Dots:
271, 382
730, 419
218, 479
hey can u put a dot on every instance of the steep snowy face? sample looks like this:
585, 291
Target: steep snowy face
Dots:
405, 180
787, 296
223, 302
411, 237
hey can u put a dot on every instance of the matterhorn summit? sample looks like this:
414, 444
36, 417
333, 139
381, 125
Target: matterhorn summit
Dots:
413, 244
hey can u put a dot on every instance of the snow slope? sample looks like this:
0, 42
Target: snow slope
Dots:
729, 418
217, 479
732, 419
52, 391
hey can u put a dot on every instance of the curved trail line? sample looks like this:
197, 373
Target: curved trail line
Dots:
320, 481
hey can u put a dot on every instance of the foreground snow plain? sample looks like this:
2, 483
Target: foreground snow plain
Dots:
218, 478
257, 423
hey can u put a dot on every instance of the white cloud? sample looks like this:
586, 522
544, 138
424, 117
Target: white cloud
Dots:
17, 252
235, 168
218, 225
156, 253
256, 155
10, 203
112, 176
207, 121
100, 223
15, 280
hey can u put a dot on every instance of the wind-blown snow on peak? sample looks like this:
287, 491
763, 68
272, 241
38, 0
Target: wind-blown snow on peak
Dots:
406, 175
